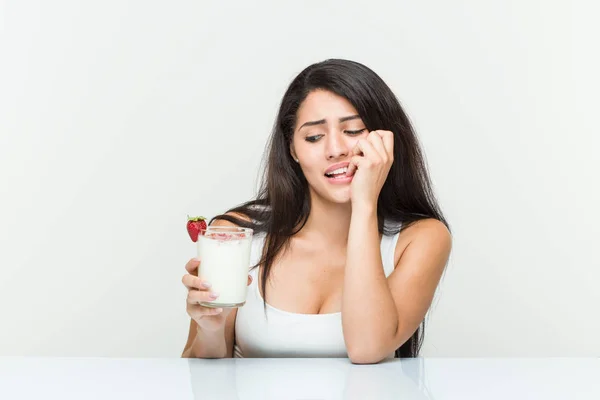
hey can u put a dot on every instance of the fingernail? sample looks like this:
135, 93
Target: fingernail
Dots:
196, 259
205, 285
218, 310
213, 295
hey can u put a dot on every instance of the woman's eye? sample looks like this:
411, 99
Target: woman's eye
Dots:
358, 132
313, 138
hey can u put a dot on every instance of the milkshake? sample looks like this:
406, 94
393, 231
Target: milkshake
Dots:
224, 253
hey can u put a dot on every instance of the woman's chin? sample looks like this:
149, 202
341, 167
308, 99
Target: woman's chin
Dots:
341, 196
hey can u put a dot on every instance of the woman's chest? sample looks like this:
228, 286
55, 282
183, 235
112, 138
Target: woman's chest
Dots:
307, 282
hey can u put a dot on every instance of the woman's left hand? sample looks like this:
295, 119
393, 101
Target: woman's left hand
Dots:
370, 164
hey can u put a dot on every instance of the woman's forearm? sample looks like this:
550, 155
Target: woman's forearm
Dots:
369, 315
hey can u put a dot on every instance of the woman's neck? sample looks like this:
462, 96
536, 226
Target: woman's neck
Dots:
327, 224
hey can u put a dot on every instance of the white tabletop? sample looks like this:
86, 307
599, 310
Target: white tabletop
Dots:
424, 378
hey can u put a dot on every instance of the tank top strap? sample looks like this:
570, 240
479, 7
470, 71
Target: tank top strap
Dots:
388, 249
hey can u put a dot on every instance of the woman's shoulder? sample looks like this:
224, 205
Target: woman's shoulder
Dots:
429, 232
428, 227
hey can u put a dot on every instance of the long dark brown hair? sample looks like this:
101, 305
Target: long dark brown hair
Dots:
282, 205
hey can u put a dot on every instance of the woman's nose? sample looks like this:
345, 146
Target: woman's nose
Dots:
337, 146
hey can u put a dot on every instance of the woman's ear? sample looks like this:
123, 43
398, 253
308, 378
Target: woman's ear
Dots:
293, 152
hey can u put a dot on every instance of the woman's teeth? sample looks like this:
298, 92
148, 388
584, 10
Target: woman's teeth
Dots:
337, 173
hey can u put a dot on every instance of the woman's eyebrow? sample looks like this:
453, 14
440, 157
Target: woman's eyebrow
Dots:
322, 121
350, 117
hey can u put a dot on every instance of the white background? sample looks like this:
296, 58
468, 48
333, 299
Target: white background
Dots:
118, 118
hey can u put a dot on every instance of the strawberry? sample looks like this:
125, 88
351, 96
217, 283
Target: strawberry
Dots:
194, 226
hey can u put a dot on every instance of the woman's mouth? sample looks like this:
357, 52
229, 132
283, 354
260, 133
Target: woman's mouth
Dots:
337, 173
338, 176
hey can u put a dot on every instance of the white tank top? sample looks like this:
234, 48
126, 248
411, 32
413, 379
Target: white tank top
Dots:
287, 334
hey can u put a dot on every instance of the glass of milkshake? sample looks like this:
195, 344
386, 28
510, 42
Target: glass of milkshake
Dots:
224, 253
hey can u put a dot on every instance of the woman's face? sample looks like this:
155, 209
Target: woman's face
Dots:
326, 131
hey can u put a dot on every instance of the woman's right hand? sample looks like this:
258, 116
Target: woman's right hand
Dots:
207, 318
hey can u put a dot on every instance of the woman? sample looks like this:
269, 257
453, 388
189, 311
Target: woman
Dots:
351, 243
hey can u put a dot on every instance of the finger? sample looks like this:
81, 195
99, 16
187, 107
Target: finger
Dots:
356, 150
370, 156
355, 163
388, 142
366, 148
192, 266
249, 280
193, 282
198, 296
377, 142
